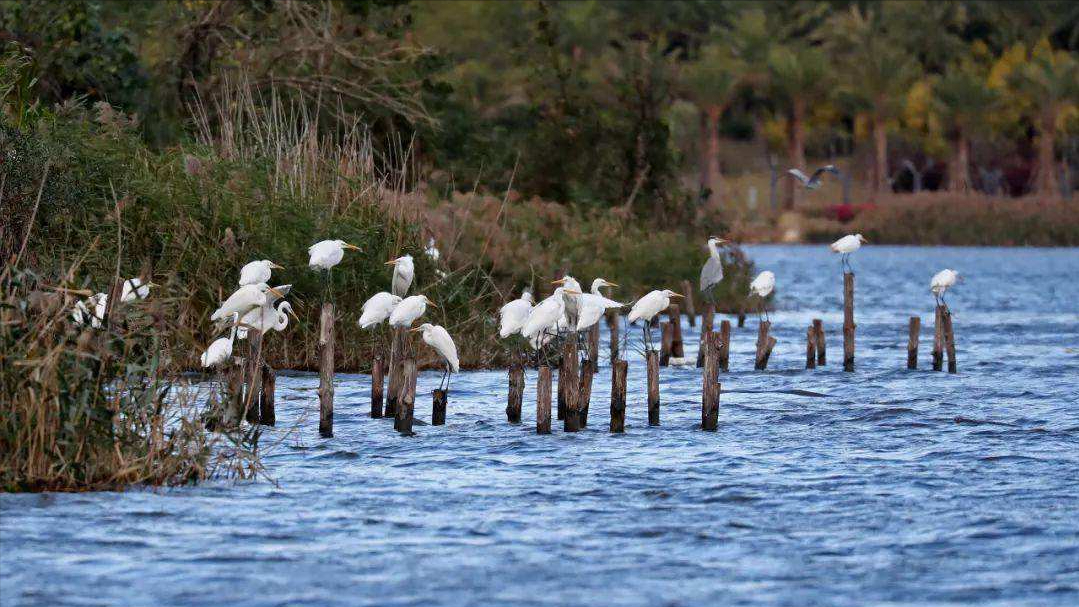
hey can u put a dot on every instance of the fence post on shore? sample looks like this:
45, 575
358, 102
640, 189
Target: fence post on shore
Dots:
267, 413
568, 379
543, 400
515, 398
666, 339
253, 373
593, 345
612, 328
691, 309
406, 399
439, 400
848, 321
710, 390
652, 359
707, 324
618, 395
325, 371
764, 345
724, 346
674, 316
811, 348
378, 371
584, 391
938, 339
949, 339
397, 353
912, 342
818, 329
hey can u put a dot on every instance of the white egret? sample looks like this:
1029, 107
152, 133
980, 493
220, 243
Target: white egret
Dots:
941, 282
712, 271
91, 310
404, 270
101, 302
812, 183
377, 309
514, 314
571, 294
594, 304
257, 271
220, 351
266, 317
410, 308
646, 309
439, 339
762, 286
244, 299
545, 315
847, 245
134, 289
432, 251
328, 253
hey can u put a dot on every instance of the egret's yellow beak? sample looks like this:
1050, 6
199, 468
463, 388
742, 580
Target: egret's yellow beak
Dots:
275, 292
611, 284
276, 267
560, 281
289, 310
677, 295
430, 303
351, 246
572, 291
391, 262
416, 330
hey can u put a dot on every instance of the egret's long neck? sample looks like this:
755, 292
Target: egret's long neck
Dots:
595, 288
713, 250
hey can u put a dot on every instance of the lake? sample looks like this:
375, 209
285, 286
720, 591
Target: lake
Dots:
894, 488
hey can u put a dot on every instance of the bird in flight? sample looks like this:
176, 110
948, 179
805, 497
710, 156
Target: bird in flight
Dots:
812, 183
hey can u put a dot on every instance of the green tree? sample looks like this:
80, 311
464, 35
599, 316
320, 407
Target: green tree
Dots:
962, 98
799, 76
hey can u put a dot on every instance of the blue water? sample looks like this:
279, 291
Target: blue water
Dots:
872, 495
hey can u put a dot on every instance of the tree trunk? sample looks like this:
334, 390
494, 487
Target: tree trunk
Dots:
880, 156
1047, 177
959, 172
795, 152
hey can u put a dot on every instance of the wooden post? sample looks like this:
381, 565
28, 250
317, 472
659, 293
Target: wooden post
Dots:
691, 310
612, 328
584, 391
234, 400
438, 407
912, 342
253, 373
763, 349
398, 339
848, 321
949, 339
674, 316
325, 371
267, 414
515, 399
707, 323
724, 346
543, 400
710, 390
665, 344
618, 395
406, 399
653, 388
378, 371
811, 348
568, 379
593, 345
818, 329
741, 319
938, 340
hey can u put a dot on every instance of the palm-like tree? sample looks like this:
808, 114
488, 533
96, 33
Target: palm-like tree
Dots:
962, 98
712, 83
1050, 82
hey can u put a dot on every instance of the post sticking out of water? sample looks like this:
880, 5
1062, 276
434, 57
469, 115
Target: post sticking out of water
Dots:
848, 321
438, 407
515, 399
593, 345
378, 371
811, 348
253, 373
691, 310
612, 328
584, 391
724, 360
397, 354
325, 371
234, 401
665, 344
406, 399
707, 323
765, 343
710, 390
653, 387
568, 379
543, 400
818, 329
674, 316
618, 395
949, 339
938, 339
741, 319
912, 342
267, 414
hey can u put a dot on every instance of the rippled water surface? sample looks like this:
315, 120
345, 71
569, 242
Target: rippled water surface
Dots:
895, 488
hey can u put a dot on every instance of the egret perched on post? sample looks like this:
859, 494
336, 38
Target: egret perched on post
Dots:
813, 182
545, 315
712, 271
941, 282
762, 286
257, 271
847, 245
377, 309
514, 315
571, 293
403, 272
410, 308
646, 309
244, 299
266, 317
439, 339
325, 255
594, 304
220, 351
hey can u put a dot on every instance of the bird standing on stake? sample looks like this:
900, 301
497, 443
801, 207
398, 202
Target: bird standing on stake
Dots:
941, 282
257, 271
514, 315
439, 339
647, 307
244, 299
847, 245
812, 183
762, 286
327, 254
220, 351
591, 306
403, 273
712, 271
377, 309
571, 294
542, 324
410, 308
266, 318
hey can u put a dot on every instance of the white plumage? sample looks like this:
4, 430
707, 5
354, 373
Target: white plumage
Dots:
220, 351
377, 309
571, 294
545, 315
813, 182
712, 271
439, 339
410, 308
328, 253
89, 311
651, 304
594, 304
848, 244
432, 251
514, 315
257, 271
404, 270
942, 281
763, 284
244, 299
134, 289
266, 317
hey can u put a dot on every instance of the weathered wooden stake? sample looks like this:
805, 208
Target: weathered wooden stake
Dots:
707, 323
398, 340
741, 319
818, 330
234, 400
665, 344
515, 399
267, 413
763, 349
674, 316
378, 371
653, 388
406, 399
543, 400
691, 310
325, 371
584, 391
811, 348
568, 383
949, 340
618, 395
438, 407
593, 345
912, 342
612, 328
938, 340
848, 321
710, 390
253, 373
725, 346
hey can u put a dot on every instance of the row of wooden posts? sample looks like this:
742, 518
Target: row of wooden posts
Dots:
252, 386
